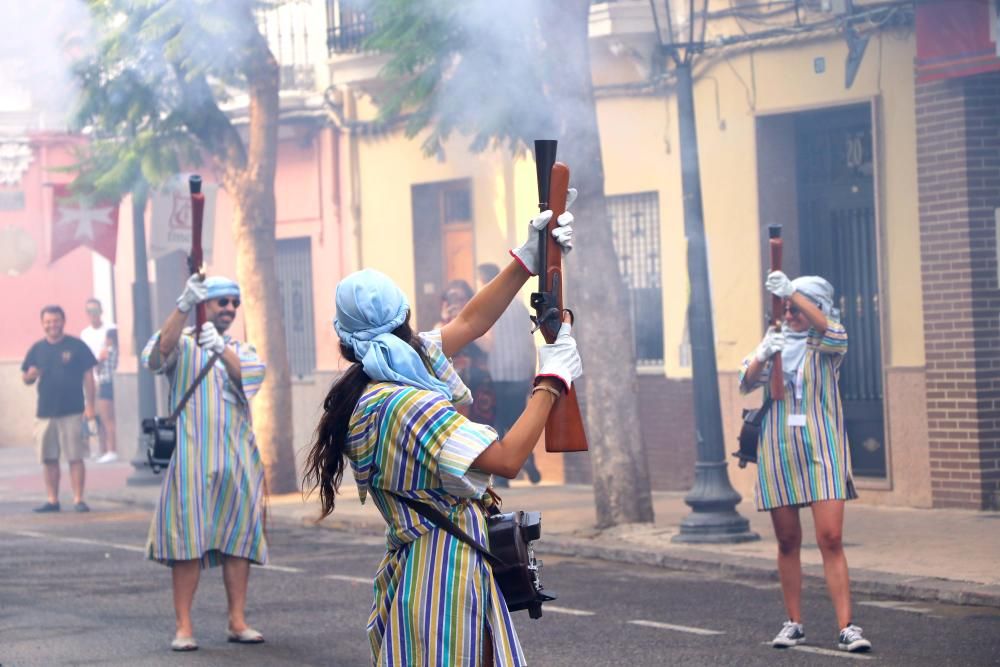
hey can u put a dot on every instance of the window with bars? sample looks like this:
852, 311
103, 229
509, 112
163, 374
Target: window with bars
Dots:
635, 222
293, 262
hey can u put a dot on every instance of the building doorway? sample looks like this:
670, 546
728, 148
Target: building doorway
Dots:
837, 240
443, 244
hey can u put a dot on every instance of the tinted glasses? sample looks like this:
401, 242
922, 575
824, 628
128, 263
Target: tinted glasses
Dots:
225, 301
792, 310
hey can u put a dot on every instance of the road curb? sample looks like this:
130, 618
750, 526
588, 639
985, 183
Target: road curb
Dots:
869, 582
684, 559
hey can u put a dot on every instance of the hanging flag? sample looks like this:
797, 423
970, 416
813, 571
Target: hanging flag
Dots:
78, 220
170, 227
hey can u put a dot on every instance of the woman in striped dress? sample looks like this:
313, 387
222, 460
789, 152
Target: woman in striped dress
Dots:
392, 415
211, 507
803, 458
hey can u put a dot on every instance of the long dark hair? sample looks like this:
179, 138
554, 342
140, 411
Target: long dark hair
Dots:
325, 464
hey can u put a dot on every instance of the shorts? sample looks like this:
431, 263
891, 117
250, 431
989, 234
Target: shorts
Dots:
55, 434
106, 391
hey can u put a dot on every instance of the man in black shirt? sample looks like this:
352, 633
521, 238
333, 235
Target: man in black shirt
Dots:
61, 364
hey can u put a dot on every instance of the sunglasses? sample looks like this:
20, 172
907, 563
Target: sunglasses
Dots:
225, 301
793, 310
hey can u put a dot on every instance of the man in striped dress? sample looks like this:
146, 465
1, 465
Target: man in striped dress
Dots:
211, 503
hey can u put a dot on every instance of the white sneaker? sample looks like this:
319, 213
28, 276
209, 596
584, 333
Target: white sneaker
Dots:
109, 457
851, 640
792, 634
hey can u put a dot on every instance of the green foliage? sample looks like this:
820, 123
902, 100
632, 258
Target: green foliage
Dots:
152, 85
477, 67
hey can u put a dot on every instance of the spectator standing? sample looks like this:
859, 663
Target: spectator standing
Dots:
102, 339
61, 365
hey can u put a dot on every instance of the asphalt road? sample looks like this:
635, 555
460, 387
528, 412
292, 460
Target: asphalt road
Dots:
75, 590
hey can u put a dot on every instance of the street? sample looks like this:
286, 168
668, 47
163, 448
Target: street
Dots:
76, 590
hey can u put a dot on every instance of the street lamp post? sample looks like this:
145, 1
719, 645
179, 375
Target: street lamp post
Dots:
713, 500
143, 329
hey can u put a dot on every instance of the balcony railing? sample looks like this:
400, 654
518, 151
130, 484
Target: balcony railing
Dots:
350, 37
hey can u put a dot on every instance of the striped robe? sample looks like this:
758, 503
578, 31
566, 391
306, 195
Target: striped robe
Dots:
436, 601
211, 500
800, 465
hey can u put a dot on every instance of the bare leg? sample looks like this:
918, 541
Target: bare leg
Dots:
788, 531
829, 518
106, 413
236, 576
52, 480
185, 579
77, 476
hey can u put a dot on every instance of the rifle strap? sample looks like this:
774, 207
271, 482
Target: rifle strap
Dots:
194, 385
441, 521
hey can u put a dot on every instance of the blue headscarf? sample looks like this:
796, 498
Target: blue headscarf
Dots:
369, 308
219, 286
819, 291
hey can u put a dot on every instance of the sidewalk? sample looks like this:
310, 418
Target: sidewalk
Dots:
939, 555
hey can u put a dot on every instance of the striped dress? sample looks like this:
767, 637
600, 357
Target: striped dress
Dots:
798, 465
211, 500
436, 601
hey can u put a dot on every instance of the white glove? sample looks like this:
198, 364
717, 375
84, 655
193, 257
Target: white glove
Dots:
560, 359
527, 254
210, 338
772, 344
778, 284
194, 293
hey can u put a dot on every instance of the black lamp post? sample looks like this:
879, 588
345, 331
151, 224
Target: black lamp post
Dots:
143, 329
713, 499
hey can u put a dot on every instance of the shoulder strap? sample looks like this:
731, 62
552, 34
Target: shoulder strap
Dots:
443, 522
194, 385
758, 417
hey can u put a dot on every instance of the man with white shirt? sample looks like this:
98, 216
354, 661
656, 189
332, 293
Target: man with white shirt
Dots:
102, 339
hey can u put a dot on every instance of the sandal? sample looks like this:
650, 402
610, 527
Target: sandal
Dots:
184, 644
245, 636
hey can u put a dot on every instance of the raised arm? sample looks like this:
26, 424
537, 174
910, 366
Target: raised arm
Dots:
194, 292
487, 305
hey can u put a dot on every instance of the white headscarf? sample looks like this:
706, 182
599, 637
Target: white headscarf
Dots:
820, 292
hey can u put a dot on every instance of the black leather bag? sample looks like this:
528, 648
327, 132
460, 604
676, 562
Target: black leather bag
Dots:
750, 433
160, 433
512, 557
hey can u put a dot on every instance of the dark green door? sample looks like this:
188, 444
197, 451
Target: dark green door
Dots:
836, 197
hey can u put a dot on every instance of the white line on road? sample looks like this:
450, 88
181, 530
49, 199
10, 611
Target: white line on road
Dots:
825, 651
282, 568
678, 628
345, 577
897, 605
78, 540
566, 610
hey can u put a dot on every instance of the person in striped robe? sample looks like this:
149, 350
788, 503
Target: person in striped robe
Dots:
803, 457
392, 415
211, 507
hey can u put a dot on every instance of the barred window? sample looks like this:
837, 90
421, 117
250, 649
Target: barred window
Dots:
635, 223
293, 264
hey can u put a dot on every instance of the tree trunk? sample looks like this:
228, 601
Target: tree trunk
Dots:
604, 333
254, 223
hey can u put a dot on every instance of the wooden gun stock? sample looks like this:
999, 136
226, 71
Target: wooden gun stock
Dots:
777, 312
196, 258
564, 430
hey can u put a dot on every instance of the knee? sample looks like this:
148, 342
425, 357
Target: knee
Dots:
830, 541
789, 543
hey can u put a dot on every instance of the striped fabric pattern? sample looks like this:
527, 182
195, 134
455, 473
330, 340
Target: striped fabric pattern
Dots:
800, 465
211, 500
435, 599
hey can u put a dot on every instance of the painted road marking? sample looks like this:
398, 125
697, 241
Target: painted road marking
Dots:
346, 577
825, 651
897, 605
678, 628
566, 610
79, 540
282, 568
